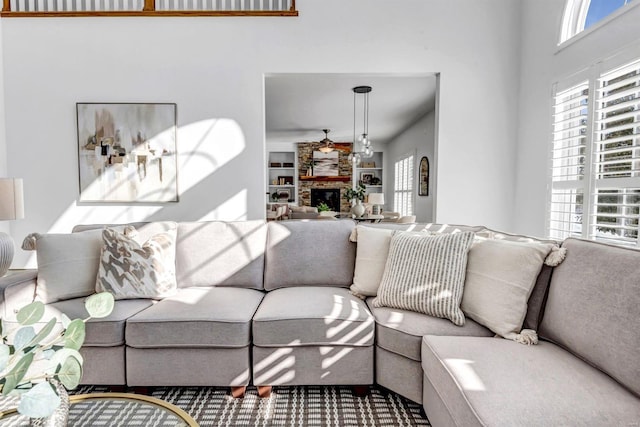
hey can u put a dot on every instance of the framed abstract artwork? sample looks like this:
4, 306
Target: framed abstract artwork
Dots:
325, 164
127, 152
423, 183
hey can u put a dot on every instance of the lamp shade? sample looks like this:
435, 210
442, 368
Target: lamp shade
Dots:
376, 198
11, 199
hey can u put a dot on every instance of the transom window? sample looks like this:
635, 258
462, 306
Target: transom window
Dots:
582, 14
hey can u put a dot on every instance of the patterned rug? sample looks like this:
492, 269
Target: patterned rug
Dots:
290, 406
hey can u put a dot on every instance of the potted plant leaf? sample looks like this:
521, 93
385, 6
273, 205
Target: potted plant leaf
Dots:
41, 365
356, 197
353, 194
325, 210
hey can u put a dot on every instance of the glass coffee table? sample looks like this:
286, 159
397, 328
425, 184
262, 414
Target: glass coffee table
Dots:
114, 409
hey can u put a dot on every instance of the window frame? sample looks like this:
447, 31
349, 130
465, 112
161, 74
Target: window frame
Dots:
574, 18
594, 74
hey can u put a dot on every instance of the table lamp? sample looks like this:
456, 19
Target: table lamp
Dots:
11, 207
376, 200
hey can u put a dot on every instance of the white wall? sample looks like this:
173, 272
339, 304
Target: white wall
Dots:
4, 226
213, 69
418, 139
542, 65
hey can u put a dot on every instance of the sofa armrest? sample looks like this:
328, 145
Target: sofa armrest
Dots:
16, 290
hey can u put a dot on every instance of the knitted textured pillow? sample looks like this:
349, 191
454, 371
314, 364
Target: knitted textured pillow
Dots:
426, 274
130, 270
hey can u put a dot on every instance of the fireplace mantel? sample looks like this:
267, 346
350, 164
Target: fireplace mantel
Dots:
341, 178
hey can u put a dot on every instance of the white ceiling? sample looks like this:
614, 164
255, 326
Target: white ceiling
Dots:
299, 106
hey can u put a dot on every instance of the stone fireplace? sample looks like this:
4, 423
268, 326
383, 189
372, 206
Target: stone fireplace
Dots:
335, 185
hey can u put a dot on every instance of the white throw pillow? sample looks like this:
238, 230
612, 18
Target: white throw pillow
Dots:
131, 270
500, 277
67, 264
426, 274
371, 258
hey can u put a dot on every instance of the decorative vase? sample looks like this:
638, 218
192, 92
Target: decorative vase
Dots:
358, 209
60, 416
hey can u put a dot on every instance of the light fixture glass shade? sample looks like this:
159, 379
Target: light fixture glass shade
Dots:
11, 199
354, 157
367, 153
364, 140
326, 149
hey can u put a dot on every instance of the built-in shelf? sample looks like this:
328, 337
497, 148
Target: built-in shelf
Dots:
373, 169
341, 178
282, 173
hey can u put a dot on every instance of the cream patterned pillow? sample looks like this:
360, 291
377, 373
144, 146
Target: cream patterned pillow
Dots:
426, 274
131, 270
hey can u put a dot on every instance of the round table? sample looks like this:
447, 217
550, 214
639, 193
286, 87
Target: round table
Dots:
113, 409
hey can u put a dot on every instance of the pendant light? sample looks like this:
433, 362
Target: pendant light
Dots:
363, 139
328, 146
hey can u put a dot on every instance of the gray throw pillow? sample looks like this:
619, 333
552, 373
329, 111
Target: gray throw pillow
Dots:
425, 273
67, 264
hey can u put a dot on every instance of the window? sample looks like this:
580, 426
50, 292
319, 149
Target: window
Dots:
582, 14
595, 158
403, 186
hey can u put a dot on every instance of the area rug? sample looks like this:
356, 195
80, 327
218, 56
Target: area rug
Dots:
290, 406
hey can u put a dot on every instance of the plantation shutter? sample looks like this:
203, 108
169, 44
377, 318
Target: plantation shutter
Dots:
403, 186
568, 160
617, 157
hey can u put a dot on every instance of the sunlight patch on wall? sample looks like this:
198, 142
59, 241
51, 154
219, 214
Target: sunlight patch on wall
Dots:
232, 209
206, 146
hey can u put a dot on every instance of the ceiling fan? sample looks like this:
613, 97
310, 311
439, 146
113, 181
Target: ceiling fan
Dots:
328, 145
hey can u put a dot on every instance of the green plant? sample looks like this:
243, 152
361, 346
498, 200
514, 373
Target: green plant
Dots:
32, 359
355, 193
323, 207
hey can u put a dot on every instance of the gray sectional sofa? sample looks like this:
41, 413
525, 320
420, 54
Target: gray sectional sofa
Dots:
269, 304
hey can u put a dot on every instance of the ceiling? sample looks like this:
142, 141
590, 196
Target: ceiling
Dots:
299, 106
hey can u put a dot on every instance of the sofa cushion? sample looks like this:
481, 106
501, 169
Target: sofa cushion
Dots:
196, 317
401, 331
593, 305
221, 254
309, 253
489, 381
312, 315
129, 269
499, 280
426, 274
104, 332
